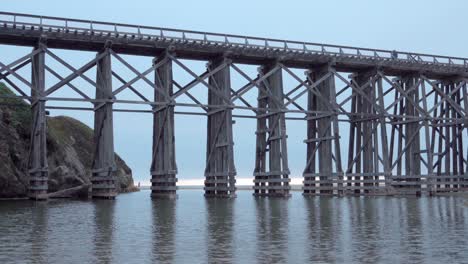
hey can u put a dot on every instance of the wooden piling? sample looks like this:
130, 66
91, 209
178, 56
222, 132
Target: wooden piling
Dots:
163, 165
220, 171
37, 165
271, 171
322, 131
104, 167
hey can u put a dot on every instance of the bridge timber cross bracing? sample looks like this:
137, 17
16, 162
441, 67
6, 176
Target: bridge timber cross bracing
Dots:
405, 113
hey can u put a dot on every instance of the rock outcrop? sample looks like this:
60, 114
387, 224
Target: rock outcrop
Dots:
69, 146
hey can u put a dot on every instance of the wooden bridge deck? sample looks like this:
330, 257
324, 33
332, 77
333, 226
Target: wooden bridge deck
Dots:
84, 35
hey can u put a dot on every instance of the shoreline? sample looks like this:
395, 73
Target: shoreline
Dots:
72, 193
200, 187
294, 188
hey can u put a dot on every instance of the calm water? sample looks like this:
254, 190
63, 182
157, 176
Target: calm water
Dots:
192, 229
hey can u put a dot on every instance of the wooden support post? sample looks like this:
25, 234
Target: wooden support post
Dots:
354, 144
103, 180
271, 138
38, 169
367, 132
359, 127
460, 127
163, 165
412, 136
427, 136
336, 138
437, 136
384, 141
322, 130
260, 181
371, 169
464, 127
362, 133
324, 134
401, 109
310, 180
457, 132
220, 170
447, 136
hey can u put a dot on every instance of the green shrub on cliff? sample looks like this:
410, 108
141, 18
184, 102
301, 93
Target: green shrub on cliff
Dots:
22, 111
70, 150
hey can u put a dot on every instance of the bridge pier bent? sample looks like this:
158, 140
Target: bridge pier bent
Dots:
220, 171
322, 131
163, 165
412, 135
38, 170
405, 137
104, 167
271, 162
363, 157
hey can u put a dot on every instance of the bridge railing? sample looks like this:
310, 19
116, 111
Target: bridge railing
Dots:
79, 26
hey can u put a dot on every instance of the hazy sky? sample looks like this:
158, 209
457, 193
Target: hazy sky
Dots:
421, 26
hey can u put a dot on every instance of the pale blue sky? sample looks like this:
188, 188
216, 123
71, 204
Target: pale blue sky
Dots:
421, 26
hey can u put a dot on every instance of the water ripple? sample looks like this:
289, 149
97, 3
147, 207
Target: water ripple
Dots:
191, 229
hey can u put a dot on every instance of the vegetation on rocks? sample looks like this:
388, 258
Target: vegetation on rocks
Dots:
69, 145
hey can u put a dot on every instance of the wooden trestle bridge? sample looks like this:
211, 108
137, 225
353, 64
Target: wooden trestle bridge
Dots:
406, 113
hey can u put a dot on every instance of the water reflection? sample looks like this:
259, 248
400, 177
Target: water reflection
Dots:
103, 230
39, 220
412, 239
134, 229
272, 229
323, 218
385, 230
220, 227
367, 224
163, 230
446, 223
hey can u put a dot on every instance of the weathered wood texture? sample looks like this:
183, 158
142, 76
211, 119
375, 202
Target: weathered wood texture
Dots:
449, 155
412, 134
323, 145
25, 29
103, 181
163, 165
38, 169
419, 100
220, 170
271, 165
366, 173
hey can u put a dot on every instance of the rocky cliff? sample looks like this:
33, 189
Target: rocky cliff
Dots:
69, 145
